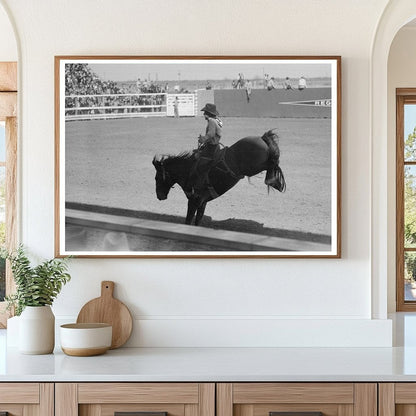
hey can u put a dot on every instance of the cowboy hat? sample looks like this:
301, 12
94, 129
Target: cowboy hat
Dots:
211, 109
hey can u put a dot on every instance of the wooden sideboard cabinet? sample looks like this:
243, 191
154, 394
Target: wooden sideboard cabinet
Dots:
27, 399
108, 399
208, 399
397, 399
331, 399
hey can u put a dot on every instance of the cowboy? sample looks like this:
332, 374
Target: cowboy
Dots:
176, 107
287, 85
210, 144
302, 83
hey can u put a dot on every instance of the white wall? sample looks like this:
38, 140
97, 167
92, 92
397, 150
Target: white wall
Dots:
8, 46
203, 302
401, 74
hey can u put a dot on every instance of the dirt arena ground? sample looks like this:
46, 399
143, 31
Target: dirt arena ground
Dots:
109, 163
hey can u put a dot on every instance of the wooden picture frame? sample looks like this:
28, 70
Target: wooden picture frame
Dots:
123, 122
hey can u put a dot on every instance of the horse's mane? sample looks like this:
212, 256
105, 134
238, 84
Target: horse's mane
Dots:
186, 155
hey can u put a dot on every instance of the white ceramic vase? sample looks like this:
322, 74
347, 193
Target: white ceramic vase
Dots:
37, 330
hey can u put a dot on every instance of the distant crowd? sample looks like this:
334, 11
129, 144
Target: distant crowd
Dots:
150, 87
269, 83
87, 92
81, 80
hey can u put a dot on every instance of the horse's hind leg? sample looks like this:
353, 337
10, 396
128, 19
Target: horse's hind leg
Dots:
191, 211
200, 213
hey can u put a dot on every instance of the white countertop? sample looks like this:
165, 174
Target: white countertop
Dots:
215, 364
221, 364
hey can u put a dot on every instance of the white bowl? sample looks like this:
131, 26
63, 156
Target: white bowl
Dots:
84, 340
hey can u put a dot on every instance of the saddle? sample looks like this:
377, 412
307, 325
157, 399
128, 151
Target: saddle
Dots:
218, 156
217, 163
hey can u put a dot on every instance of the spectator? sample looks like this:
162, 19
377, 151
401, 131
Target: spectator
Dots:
270, 84
240, 81
248, 90
176, 107
266, 80
152, 103
139, 85
302, 83
287, 85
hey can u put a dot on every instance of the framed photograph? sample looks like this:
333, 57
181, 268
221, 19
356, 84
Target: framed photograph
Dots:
198, 156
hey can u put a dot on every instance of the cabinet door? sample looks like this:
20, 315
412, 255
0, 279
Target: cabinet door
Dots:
142, 399
297, 399
397, 399
26, 399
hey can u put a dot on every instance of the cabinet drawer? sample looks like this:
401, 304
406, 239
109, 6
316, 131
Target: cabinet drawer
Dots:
138, 393
147, 399
21, 399
19, 393
297, 399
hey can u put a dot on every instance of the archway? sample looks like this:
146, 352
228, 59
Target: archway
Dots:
8, 45
395, 16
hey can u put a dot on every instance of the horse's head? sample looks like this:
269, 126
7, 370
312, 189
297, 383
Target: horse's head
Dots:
164, 181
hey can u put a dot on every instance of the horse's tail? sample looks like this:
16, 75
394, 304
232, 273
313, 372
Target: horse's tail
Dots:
274, 174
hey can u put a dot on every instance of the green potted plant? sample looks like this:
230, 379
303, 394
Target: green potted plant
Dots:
36, 289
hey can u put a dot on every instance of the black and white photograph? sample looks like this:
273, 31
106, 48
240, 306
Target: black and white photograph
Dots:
198, 156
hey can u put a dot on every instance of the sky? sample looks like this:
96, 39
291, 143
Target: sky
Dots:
409, 119
170, 70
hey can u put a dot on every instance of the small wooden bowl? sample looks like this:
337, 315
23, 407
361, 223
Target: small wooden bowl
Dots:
84, 340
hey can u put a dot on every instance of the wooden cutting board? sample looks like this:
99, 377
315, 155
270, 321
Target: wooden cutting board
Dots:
107, 309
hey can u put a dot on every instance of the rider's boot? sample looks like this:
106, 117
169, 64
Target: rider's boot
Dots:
199, 175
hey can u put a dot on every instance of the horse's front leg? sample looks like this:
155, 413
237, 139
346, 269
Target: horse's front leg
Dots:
200, 213
192, 207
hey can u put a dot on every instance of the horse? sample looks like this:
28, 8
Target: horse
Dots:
247, 157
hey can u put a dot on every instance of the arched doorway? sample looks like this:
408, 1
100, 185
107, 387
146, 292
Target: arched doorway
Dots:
396, 15
8, 45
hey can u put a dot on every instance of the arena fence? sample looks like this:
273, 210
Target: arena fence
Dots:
279, 103
186, 105
106, 106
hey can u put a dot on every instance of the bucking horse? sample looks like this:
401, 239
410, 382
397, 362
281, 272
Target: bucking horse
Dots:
247, 157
